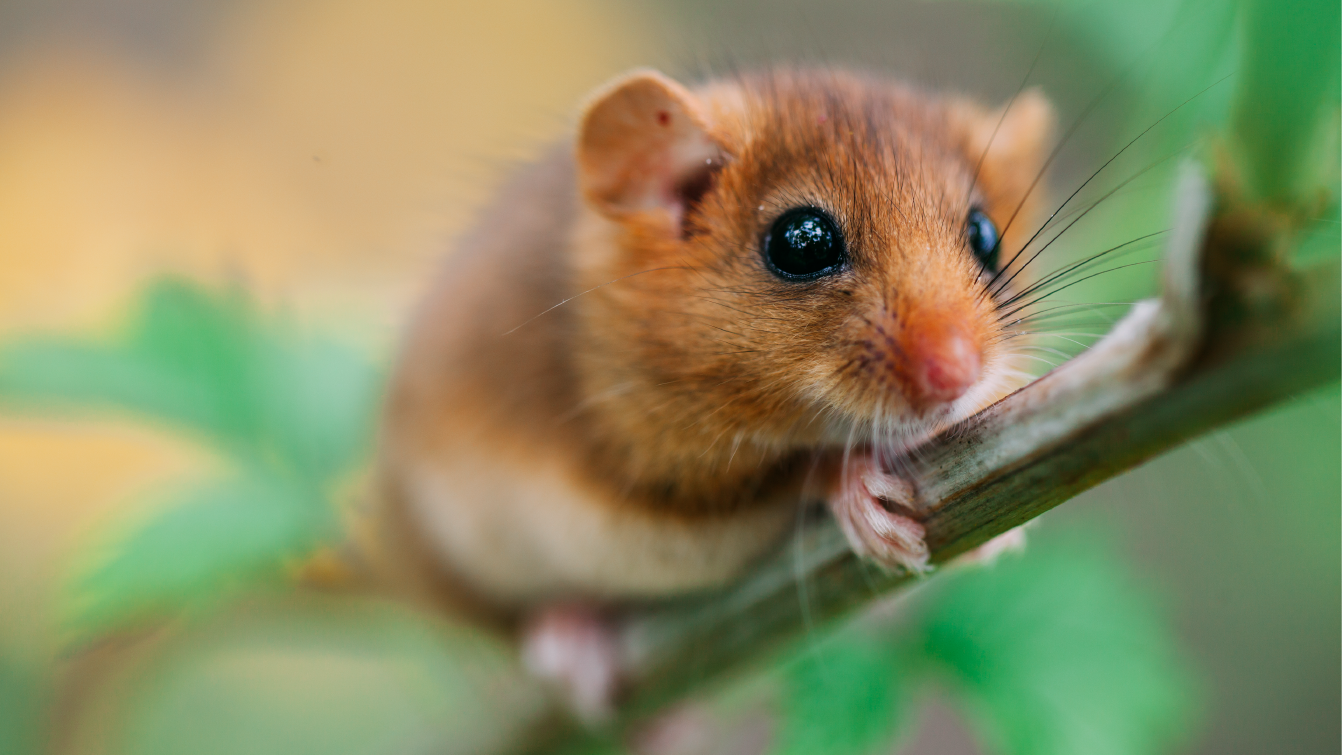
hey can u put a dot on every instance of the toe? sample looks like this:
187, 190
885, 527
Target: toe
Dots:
890, 539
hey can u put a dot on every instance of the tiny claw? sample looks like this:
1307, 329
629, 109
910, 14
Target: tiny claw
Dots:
891, 540
573, 648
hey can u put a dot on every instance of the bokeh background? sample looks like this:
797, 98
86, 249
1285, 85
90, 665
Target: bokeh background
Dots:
321, 155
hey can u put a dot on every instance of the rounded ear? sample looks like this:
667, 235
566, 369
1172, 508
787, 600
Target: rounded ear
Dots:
643, 144
1012, 141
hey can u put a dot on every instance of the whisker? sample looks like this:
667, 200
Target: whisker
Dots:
978, 167
1097, 172
1053, 334
1125, 192
1081, 280
1076, 267
1062, 354
1037, 359
1071, 131
1069, 310
1084, 212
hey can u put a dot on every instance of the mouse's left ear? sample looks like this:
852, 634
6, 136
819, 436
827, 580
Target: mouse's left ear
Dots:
643, 145
1012, 142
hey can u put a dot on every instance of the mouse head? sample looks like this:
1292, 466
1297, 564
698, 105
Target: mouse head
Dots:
797, 257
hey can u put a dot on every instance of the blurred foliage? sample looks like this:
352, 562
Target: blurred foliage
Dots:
1285, 125
21, 707
1055, 652
1062, 652
327, 675
221, 536
848, 696
291, 415
206, 364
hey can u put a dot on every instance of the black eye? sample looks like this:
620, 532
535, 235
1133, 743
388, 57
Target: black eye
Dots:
983, 238
804, 244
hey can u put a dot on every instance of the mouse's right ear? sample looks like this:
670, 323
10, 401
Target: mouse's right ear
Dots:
644, 145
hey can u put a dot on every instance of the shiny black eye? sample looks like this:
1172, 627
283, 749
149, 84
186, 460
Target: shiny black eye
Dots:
804, 244
983, 238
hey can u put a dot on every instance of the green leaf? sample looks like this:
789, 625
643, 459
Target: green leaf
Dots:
1054, 652
849, 695
56, 375
315, 399
204, 362
1059, 652
1285, 116
182, 360
294, 414
21, 703
223, 536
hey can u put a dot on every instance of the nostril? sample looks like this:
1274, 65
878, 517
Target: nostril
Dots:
945, 363
949, 371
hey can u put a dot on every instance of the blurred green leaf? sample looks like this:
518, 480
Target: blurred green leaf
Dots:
845, 696
222, 536
293, 415
206, 363
315, 401
1054, 652
1285, 119
21, 717
1059, 652
184, 359
1160, 51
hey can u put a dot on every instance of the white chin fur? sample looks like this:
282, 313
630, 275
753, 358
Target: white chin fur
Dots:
897, 433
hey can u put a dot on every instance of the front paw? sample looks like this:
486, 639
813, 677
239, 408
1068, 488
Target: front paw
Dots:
873, 530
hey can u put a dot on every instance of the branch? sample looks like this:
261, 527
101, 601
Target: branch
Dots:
1235, 330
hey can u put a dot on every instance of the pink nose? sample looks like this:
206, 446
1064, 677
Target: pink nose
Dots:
942, 362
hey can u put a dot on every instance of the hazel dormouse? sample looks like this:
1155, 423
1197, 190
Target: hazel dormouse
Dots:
715, 306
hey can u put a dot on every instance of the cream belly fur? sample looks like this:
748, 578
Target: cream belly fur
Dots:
527, 535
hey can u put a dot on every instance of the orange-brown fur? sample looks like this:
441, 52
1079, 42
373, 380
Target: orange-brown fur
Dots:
679, 381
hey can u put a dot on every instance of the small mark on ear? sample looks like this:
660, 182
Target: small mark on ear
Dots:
644, 146
821, 118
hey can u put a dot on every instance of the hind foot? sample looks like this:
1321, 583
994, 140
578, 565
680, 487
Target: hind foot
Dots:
573, 648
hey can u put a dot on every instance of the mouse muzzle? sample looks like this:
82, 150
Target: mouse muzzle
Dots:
930, 356
941, 361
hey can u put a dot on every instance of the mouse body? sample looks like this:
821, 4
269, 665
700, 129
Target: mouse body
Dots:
715, 305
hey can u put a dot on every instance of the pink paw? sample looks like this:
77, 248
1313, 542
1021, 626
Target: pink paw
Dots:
891, 540
573, 647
